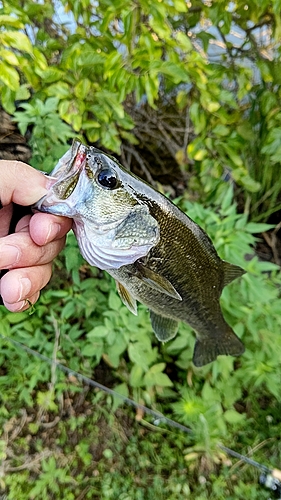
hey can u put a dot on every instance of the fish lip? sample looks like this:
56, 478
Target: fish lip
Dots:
71, 163
75, 163
96, 150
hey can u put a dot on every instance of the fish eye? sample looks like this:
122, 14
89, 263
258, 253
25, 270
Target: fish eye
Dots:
107, 178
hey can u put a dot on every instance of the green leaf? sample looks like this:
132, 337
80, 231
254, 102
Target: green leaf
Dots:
161, 379
114, 302
258, 227
159, 367
40, 59
93, 350
180, 5
121, 389
248, 182
184, 41
198, 117
10, 21
23, 93
114, 351
227, 200
8, 99
9, 76
151, 89
14, 318
82, 89
89, 124
90, 58
176, 73
9, 57
61, 90
233, 417
140, 354
268, 266
221, 130
209, 105
50, 75
16, 40
93, 135
179, 343
98, 332
136, 376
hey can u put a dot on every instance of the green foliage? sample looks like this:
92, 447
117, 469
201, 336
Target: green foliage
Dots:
49, 132
218, 62
221, 402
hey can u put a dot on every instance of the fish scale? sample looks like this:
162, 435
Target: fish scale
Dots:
155, 252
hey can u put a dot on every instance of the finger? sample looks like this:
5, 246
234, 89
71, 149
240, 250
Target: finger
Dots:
19, 250
44, 228
21, 183
5, 219
23, 224
21, 284
23, 305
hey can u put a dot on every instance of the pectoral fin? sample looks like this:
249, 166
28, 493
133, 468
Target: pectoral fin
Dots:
127, 299
157, 281
164, 328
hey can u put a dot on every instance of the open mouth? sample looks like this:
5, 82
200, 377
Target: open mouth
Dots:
65, 178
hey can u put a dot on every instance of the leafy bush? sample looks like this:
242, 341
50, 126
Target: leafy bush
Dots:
216, 64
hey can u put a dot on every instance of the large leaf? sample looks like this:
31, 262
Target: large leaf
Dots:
16, 40
9, 76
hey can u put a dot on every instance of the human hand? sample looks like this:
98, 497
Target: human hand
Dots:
28, 252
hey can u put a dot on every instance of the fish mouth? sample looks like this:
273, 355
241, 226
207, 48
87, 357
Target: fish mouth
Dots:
63, 181
65, 177
68, 181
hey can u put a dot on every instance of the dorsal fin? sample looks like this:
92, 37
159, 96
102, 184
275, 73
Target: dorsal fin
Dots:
231, 272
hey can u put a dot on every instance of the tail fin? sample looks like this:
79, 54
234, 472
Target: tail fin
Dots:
207, 349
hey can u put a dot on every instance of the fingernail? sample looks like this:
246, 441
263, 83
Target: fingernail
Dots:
9, 256
25, 287
54, 229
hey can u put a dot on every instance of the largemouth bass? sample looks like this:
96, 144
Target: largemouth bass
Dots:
156, 253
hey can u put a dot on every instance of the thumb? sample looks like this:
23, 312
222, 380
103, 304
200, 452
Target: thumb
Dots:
21, 183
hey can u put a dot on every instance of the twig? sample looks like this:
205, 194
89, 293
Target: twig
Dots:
54, 356
42, 409
141, 163
29, 464
18, 429
186, 133
272, 242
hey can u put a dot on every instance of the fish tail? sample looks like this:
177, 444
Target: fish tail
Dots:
207, 349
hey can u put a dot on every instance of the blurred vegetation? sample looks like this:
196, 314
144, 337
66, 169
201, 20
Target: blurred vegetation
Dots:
186, 93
